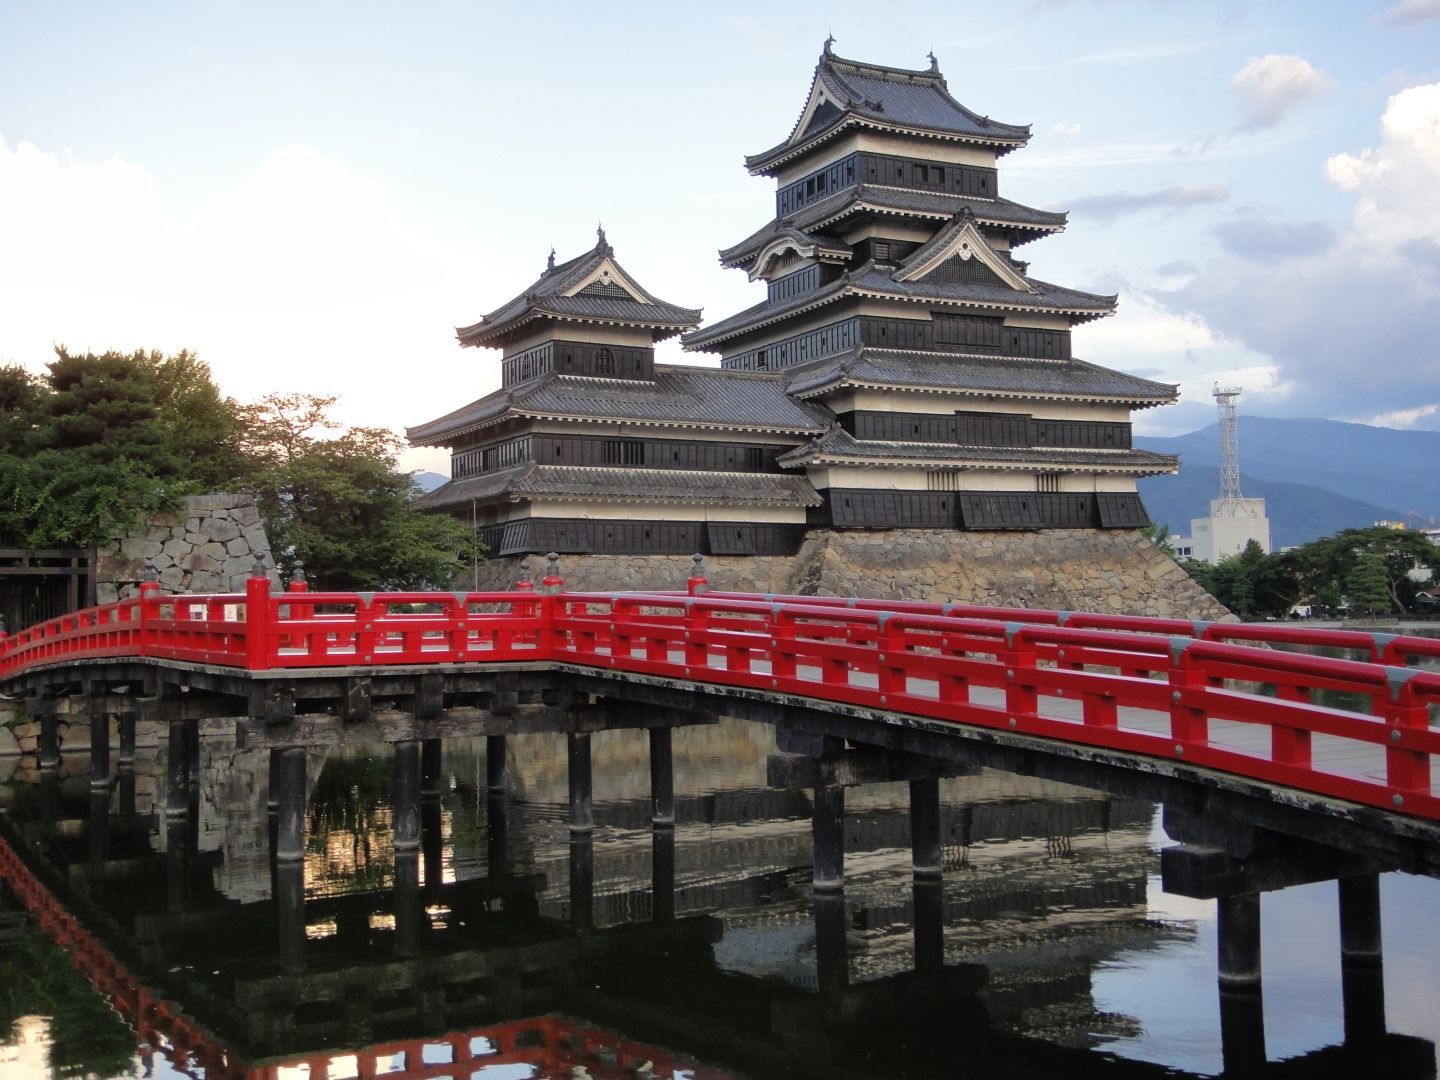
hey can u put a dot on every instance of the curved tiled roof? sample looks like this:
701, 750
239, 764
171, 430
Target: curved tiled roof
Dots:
545, 298
678, 395
872, 280
875, 280
839, 446
960, 373
879, 198
625, 485
890, 98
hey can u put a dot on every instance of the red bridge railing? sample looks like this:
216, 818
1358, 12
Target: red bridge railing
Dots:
1233, 698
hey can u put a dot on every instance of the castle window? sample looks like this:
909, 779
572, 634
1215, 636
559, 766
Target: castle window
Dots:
1047, 481
882, 249
938, 175
623, 452
760, 362
604, 362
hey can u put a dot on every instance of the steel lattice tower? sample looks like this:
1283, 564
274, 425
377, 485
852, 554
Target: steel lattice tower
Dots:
1230, 505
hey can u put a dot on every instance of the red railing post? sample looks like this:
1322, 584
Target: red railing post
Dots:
1406, 770
149, 616
782, 643
257, 623
1290, 745
1189, 723
1019, 658
890, 674
698, 584
697, 648
552, 582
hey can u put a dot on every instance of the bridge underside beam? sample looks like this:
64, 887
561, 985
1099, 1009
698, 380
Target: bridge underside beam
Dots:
392, 725
850, 768
1210, 873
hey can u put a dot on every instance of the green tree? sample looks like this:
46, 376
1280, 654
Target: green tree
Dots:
1367, 585
104, 439
1324, 566
336, 500
1159, 535
203, 428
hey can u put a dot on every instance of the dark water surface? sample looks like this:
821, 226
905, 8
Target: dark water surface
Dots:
1061, 954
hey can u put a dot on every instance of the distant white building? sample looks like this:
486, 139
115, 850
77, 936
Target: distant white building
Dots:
1234, 520
1232, 524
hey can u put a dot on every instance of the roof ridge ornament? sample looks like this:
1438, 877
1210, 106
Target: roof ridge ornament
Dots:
601, 244
934, 63
550, 263
825, 53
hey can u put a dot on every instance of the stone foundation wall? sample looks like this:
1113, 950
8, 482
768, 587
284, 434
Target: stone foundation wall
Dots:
1098, 570
211, 544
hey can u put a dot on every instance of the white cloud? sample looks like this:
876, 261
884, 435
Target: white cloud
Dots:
1069, 129
302, 278
1351, 320
1398, 418
1270, 86
1142, 328
1395, 182
1404, 12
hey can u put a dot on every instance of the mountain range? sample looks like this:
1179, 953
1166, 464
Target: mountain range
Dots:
1316, 476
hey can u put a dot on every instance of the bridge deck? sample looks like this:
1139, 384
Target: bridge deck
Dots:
1213, 698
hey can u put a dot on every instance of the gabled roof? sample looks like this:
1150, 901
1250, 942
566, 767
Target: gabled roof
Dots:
592, 287
973, 375
807, 245
839, 447
847, 93
883, 200
572, 482
959, 238
874, 281
678, 396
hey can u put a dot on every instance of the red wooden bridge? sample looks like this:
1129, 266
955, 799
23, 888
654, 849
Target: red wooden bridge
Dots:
1212, 700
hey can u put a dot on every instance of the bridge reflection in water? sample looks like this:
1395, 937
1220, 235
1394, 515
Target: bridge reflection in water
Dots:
696, 901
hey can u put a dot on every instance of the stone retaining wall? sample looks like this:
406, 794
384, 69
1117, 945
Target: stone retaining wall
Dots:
213, 543
1098, 570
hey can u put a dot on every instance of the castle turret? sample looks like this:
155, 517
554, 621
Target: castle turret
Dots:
590, 446
895, 300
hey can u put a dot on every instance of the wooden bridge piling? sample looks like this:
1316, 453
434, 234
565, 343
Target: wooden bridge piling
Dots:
582, 881
832, 961
128, 715
177, 789
495, 751
405, 794
98, 713
1362, 967
580, 782
290, 813
410, 919
288, 890
46, 709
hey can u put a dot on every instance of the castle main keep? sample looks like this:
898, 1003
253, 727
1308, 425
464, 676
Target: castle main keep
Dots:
904, 372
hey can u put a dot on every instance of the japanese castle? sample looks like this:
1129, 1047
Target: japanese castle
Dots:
905, 370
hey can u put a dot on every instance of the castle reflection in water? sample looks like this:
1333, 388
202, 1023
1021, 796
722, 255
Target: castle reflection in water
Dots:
509, 945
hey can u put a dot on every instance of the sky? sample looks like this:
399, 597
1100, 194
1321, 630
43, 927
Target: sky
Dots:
312, 196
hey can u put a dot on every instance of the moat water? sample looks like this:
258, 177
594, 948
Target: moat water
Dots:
1061, 954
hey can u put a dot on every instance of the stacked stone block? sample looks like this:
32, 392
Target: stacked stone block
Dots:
213, 543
